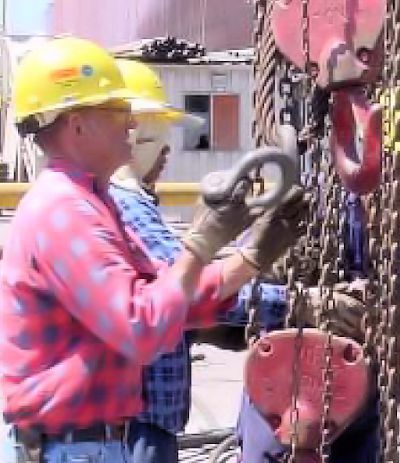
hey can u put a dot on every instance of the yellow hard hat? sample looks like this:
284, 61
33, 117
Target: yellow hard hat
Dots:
65, 73
149, 93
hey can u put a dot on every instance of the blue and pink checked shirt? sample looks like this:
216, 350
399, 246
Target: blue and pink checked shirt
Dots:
82, 309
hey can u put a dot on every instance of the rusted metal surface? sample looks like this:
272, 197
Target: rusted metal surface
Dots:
266, 380
343, 37
338, 46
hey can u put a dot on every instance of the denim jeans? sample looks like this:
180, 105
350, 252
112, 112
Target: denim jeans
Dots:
146, 444
86, 452
151, 444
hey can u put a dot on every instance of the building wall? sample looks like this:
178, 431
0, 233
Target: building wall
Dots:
217, 24
191, 166
179, 80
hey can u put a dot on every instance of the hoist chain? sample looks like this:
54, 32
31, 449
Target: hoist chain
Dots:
322, 234
253, 327
384, 244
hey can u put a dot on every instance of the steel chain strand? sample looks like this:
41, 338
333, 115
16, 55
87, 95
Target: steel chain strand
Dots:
392, 366
264, 131
391, 424
394, 311
329, 248
252, 327
314, 147
381, 328
329, 276
297, 298
386, 299
264, 75
374, 331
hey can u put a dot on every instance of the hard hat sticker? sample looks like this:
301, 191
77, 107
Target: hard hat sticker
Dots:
87, 70
64, 74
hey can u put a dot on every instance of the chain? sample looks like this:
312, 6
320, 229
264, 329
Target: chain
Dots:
252, 330
329, 276
386, 267
264, 75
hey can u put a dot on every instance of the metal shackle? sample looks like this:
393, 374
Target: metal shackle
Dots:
217, 187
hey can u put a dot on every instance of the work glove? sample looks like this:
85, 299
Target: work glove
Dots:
276, 230
346, 316
217, 224
306, 268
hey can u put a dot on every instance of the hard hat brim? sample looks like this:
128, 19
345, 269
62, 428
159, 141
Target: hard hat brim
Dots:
122, 94
169, 113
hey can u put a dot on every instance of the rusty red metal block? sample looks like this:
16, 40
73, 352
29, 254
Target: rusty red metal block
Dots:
269, 382
344, 37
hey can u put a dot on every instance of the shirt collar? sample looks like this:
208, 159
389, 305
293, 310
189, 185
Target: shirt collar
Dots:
76, 174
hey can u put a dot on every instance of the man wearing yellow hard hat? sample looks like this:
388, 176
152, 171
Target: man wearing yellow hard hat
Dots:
84, 306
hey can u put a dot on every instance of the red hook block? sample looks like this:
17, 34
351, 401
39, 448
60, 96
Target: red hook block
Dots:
344, 38
269, 382
356, 140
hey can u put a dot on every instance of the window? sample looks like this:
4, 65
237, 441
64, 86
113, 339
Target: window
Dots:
198, 138
220, 131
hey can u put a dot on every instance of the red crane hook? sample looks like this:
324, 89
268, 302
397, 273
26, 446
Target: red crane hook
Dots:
356, 139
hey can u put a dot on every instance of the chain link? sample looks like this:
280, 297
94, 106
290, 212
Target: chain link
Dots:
384, 244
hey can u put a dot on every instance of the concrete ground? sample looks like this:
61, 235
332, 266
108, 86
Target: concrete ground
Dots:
216, 397
216, 388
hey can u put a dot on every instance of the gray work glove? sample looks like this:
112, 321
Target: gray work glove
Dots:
306, 269
276, 230
215, 226
346, 317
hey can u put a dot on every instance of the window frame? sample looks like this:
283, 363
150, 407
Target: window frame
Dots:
211, 95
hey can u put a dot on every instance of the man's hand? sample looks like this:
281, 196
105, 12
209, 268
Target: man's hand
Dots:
276, 230
216, 225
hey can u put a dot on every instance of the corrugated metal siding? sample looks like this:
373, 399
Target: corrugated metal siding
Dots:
217, 24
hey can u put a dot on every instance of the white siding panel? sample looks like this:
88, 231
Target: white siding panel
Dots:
191, 166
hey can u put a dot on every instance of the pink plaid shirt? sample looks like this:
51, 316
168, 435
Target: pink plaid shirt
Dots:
82, 308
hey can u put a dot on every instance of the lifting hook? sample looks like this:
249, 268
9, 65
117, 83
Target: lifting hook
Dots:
356, 139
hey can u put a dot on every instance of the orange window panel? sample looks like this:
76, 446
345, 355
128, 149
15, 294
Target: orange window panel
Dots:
225, 122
